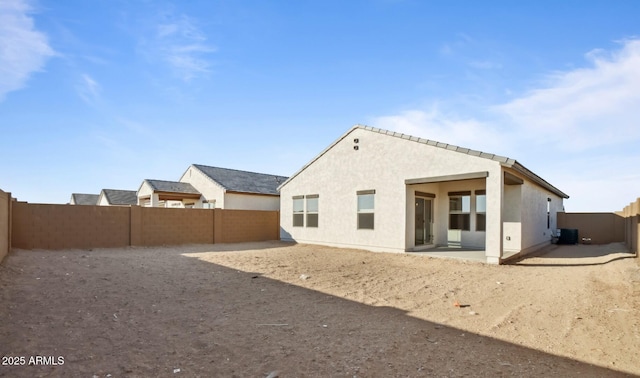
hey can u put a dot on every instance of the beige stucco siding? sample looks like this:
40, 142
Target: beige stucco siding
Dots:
535, 232
239, 201
145, 190
381, 163
209, 189
102, 201
212, 191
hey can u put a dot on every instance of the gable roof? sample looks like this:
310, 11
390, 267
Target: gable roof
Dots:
233, 180
504, 161
171, 186
120, 197
85, 199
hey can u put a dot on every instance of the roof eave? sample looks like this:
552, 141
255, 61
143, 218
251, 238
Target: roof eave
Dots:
515, 165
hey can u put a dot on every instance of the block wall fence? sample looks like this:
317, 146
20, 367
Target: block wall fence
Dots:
5, 224
43, 226
604, 228
601, 228
631, 215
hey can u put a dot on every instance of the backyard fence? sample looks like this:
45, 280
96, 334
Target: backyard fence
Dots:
5, 224
631, 214
604, 228
43, 226
595, 228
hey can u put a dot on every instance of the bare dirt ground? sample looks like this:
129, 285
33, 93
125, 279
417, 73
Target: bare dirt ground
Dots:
250, 310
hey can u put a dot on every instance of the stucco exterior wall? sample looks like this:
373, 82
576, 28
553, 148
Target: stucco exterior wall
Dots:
145, 191
239, 201
102, 201
381, 163
535, 233
210, 190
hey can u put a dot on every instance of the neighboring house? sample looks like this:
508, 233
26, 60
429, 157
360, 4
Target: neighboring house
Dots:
386, 191
83, 199
233, 189
160, 193
115, 197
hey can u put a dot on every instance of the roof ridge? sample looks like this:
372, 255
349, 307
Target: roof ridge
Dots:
236, 170
503, 160
431, 142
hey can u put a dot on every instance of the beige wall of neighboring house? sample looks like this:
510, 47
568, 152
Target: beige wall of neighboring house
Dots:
168, 194
212, 192
220, 198
400, 170
147, 197
246, 201
102, 201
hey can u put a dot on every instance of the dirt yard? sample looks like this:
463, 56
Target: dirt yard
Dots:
276, 309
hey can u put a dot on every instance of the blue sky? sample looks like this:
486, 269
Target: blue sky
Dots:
103, 94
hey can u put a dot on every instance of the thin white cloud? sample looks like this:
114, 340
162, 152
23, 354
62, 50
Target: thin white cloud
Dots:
89, 90
23, 49
444, 127
573, 111
183, 46
579, 129
584, 108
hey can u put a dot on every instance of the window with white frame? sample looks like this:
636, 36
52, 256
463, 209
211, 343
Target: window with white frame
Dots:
298, 211
312, 210
366, 205
460, 211
481, 210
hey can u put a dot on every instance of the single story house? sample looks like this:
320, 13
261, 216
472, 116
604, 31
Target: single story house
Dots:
225, 188
116, 197
160, 193
84, 199
386, 191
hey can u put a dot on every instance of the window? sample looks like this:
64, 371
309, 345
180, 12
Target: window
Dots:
312, 210
548, 213
365, 209
298, 211
481, 210
460, 211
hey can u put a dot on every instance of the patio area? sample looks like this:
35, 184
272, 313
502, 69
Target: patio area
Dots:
462, 253
454, 253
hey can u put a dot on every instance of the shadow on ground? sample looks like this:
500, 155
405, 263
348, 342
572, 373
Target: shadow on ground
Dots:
576, 255
156, 312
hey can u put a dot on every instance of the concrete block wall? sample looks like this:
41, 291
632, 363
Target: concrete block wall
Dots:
5, 224
631, 214
162, 226
40, 226
233, 226
602, 228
